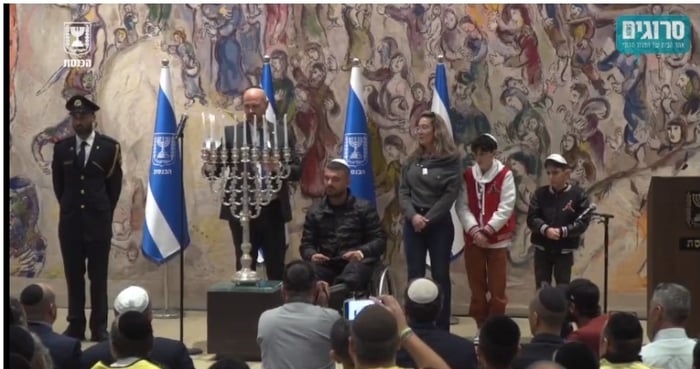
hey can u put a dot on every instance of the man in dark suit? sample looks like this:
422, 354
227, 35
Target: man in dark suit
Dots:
267, 231
39, 303
169, 353
87, 181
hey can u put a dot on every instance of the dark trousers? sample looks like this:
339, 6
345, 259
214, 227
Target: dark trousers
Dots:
355, 274
266, 233
435, 239
75, 250
548, 263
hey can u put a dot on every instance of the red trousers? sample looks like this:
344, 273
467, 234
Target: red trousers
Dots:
486, 272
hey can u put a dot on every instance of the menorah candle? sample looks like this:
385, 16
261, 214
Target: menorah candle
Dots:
204, 127
235, 132
286, 139
274, 134
254, 134
245, 131
212, 123
266, 138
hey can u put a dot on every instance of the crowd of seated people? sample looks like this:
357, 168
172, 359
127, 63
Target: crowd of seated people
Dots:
305, 333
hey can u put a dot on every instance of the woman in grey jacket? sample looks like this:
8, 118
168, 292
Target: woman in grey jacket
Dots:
429, 187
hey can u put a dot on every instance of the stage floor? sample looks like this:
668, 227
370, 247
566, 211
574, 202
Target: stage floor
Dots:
195, 332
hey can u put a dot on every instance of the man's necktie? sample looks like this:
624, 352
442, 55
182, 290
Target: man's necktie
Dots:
81, 154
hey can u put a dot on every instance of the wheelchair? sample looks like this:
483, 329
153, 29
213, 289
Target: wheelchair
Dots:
381, 283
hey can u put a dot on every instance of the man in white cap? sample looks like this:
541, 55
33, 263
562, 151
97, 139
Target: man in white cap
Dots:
167, 352
557, 218
342, 235
423, 302
485, 208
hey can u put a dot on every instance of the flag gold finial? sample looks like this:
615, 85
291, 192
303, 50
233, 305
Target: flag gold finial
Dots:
266, 58
164, 62
355, 62
441, 58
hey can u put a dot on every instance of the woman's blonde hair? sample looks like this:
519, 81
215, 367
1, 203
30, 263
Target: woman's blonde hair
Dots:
443, 141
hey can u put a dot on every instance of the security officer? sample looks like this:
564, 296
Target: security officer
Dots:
87, 181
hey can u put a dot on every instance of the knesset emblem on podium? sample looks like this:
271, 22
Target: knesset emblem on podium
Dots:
693, 209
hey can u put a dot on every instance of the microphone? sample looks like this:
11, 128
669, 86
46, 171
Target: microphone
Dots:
181, 126
588, 210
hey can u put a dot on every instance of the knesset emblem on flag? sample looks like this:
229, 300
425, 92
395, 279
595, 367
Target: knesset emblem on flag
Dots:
356, 148
163, 149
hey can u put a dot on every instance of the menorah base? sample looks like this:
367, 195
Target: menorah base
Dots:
246, 276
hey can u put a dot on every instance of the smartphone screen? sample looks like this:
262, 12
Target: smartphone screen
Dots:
353, 307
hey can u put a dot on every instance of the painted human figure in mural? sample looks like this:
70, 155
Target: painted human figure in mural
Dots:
50, 135
394, 154
451, 39
586, 124
664, 101
475, 51
395, 97
468, 121
130, 19
433, 29
221, 24
312, 54
412, 17
121, 41
27, 249
523, 165
318, 133
583, 170
581, 27
249, 37
553, 27
157, 20
275, 26
307, 25
12, 51
361, 41
421, 103
689, 84
632, 89
526, 119
514, 28
190, 70
284, 87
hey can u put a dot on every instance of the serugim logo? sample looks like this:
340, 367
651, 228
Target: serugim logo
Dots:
77, 42
653, 34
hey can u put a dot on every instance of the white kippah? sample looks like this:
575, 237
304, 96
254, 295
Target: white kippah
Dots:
491, 137
557, 159
423, 291
341, 161
132, 298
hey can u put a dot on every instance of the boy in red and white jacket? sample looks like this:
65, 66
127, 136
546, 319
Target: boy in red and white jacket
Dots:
485, 209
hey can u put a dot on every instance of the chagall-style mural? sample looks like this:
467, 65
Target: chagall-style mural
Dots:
542, 78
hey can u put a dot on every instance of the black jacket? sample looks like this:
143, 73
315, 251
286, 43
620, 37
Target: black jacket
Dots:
87, 195
558, 209
334, 230
170, 354
542, 347
458, 352
65, 351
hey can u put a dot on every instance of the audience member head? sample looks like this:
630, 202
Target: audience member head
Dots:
545, 364
133, 298
17, 361
340, 337
374, 338
21, 342
584, 298
696, 356
484, 150
621, 339
576, 355
39, 303
229, 363
669, 308
336, 178
557, 170
423, 301
17, 315
299, 281
547, 311
499, 342
131, 335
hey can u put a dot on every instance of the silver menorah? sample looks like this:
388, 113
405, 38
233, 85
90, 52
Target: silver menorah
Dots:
246, 176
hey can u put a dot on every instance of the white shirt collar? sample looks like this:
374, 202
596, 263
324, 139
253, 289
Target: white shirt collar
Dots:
90, 139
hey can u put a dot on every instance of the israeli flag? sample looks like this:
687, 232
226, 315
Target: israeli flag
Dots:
440, 106
356, 141
166, 214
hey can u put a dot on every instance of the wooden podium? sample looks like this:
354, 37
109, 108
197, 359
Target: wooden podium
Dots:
232, 316
673, 238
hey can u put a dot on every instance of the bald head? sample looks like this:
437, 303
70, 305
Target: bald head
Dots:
254, 104
39, 302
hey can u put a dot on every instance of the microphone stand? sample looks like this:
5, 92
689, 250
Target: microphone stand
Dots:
180, 137
605, 219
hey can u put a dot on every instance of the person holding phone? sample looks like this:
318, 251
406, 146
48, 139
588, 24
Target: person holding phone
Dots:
428, 189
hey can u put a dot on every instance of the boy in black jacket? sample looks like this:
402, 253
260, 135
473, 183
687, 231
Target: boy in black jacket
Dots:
556, 221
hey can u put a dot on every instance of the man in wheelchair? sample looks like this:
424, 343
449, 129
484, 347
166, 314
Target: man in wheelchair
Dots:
342, 235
